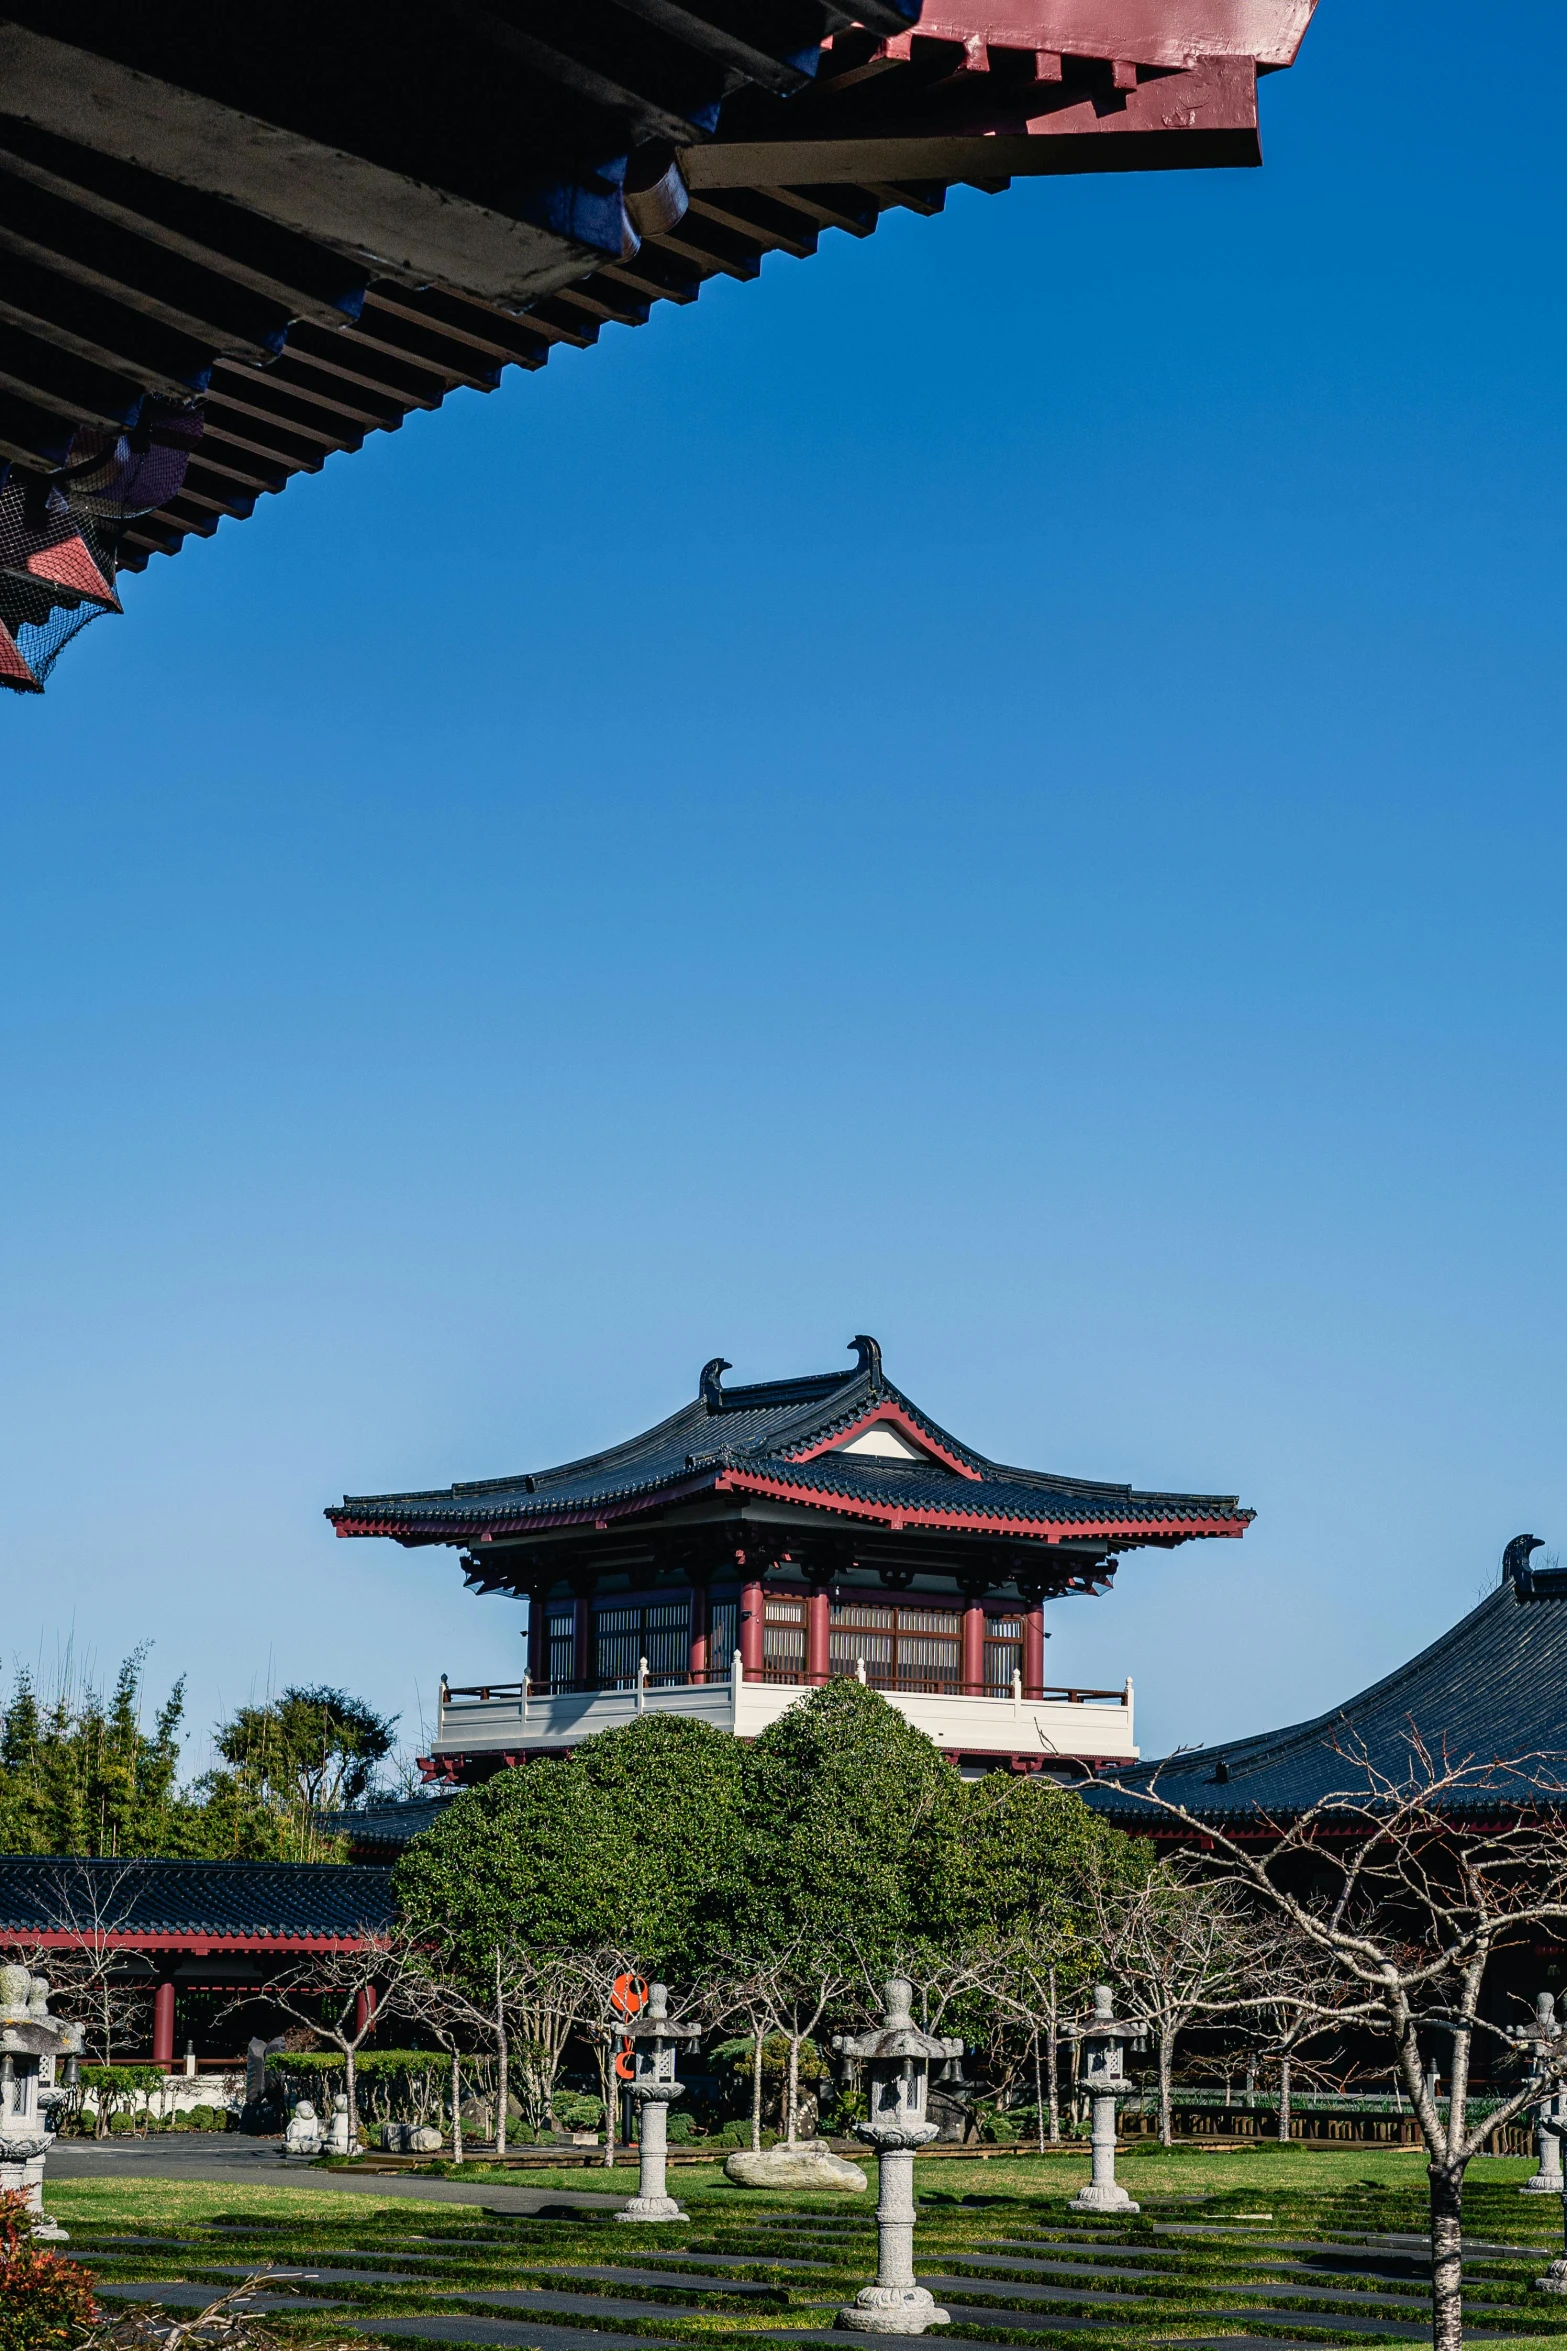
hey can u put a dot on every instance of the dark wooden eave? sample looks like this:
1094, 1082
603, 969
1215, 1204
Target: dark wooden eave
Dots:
315, 221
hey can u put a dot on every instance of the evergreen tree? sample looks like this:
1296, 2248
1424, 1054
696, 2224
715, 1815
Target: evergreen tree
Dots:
631, 1841
80, 1774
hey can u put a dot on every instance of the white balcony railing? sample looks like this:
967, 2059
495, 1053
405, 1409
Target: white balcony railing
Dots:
1079, 1726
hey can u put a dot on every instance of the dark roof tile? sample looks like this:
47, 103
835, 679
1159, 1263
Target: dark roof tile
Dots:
1492, 1689
47, 1893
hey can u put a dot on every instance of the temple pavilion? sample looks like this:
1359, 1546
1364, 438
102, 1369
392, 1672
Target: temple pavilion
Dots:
766, 1538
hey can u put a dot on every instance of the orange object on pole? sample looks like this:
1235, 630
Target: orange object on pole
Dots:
628, 1994
625, 2063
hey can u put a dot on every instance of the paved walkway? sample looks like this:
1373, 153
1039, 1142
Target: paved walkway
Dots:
240, 2161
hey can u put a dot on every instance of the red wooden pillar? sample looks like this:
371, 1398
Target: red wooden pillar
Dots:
818, 1638
1034, 1651
163, 2023
974, 1646
584, 1662
751, 1628
364, 2007
701, 1619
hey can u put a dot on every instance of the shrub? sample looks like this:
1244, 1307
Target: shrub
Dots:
1001, 2130
45, 2301
738, 2134
575, 2110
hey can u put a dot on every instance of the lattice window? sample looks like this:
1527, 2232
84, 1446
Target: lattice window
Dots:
666, 1639
1003, 1654
562, 1627
617, 1646
660, 1631
904, 1648
723, 1637
867, 1632
783, 1638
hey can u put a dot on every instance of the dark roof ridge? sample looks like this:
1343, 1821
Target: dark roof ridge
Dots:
691, 1415
528, 1481
811, 1387
694, 1416
688, 1418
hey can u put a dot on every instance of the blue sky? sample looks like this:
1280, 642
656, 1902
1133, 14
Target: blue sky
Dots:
1000, 787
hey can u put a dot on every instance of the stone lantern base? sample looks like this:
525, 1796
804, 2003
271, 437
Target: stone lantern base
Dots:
653, 2208
25, 2177
1108, 2197
893, 2310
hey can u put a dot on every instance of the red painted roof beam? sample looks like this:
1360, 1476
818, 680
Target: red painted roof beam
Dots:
1135, 32
14, 671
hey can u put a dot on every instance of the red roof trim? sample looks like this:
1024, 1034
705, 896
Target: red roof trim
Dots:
895, 1416
735, 1481
738, 1481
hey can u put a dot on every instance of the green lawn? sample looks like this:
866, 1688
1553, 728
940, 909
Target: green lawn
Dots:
1148, 2279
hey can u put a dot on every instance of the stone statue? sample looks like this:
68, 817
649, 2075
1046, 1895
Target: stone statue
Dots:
31, 2043
337, 2139
302, 2141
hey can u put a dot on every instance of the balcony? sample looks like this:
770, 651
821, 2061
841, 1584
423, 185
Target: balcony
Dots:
510, 1721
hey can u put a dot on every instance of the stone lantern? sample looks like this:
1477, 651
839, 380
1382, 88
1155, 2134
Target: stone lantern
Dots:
1551, 2115
653, 2085
31, 2044
1104, 2037
1553, 2129
897, 2060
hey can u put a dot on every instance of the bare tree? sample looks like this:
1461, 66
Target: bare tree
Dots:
547, 1996
808, 1980
343, 1995
445, 2011
85, 1962
500, 2031
752, 1997
1171, 1940
1027, 1986
1297, 1995
1416, 1884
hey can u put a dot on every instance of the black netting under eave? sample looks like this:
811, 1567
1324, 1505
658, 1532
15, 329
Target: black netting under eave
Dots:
59, 534
41, 643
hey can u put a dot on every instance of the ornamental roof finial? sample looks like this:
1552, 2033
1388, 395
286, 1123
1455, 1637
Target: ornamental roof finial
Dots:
1516, 1566
712, 1374
870, 1356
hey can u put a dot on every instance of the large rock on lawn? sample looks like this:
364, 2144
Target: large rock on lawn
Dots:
809, 2165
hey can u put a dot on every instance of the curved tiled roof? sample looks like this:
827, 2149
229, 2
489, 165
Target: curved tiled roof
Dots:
779, 1440
126, 1901
1492, 1689
386, 1828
